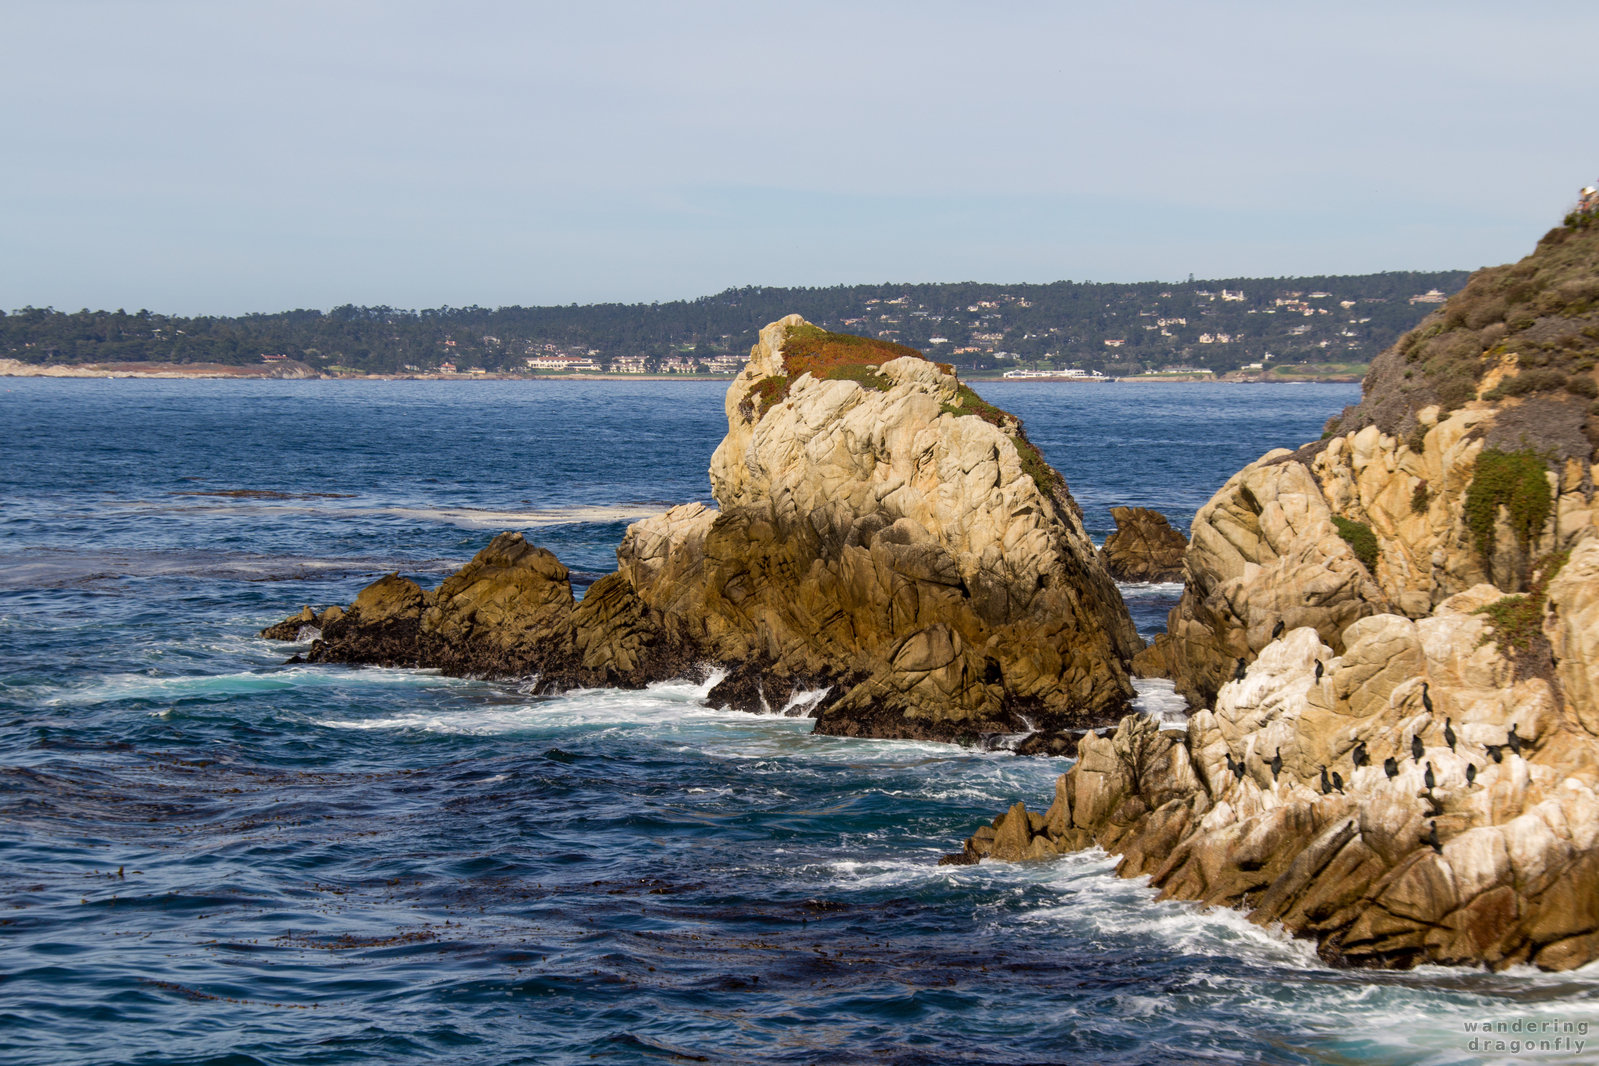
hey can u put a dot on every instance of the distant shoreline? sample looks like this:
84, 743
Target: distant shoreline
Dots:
220, 371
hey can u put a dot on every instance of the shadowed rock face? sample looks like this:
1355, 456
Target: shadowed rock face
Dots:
1144, 547
880, 533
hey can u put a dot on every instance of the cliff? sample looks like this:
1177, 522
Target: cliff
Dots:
1389, 635
880, 532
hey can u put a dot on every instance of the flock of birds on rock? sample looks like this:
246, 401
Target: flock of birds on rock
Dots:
1333, 781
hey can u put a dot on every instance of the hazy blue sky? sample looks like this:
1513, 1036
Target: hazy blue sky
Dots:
223, 157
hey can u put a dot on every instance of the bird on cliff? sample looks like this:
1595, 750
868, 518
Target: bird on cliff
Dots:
1426, 700
1277, 630
1277, 764
1360, 756
1416, 747
1390, 767
1471, 774
1230, 767
1449, 733
1338, 782
1326, 784
1496, 752
1319, 669
1238, 671
1428, 779
1512, 741
1431, 839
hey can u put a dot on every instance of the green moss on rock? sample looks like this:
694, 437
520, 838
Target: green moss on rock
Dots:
1514, 481
1361, 540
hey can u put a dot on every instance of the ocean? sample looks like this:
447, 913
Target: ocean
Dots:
208, 856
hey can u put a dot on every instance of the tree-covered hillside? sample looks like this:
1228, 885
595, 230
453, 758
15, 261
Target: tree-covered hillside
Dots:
1118, 328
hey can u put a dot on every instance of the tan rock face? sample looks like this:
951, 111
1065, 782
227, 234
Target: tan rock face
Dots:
873, 536
1265, 548
1144, 547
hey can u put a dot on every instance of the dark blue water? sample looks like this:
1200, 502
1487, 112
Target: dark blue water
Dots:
210, 857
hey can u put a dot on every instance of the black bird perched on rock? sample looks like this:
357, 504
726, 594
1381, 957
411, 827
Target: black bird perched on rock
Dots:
1449, 733
1230, 768
1390, 767
1360, 756
1238, 671
1426, 700
1319, 669
1513, 741
1416, 747
1277, 764
1496, 752
1326, 785
1431, 839
1238, 769
1338, 782
1428, 779
1277, 630
1471, 774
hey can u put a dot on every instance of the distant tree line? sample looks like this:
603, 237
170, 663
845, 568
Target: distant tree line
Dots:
1218, 324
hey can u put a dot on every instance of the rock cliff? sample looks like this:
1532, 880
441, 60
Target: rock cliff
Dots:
1389, 637
880, 531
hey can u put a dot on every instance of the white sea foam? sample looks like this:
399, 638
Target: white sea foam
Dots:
115, 687
1158, 696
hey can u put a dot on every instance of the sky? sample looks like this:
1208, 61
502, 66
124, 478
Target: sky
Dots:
225, 157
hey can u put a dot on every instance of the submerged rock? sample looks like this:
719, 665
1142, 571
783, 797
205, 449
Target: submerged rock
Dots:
880, 533
1144, 547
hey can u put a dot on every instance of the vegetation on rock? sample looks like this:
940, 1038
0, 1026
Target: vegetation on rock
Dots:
828, 356
1527, 330
1515, 481
1517, 621
1361, 540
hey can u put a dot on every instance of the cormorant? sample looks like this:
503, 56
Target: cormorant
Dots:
1449, 733
1390, 767
1229, 757
1319, 669
1426, 700
1338, 781
1513, 741
1431, 839
1428, 779
1360, 756
1238, 671
1277, 764
1471, 774
1416, 747
1277, 630
1326, 785
1496, 752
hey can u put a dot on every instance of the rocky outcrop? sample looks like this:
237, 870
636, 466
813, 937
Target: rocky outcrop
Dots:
1281, 541
879, 532
1390, 639
1461, 825
1144, 547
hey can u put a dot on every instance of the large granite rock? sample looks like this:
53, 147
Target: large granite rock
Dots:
1390, 640
879, 532
1144, 547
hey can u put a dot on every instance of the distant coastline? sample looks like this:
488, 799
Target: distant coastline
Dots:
13, 368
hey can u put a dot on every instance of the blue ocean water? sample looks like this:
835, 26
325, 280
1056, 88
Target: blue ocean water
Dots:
207, 856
